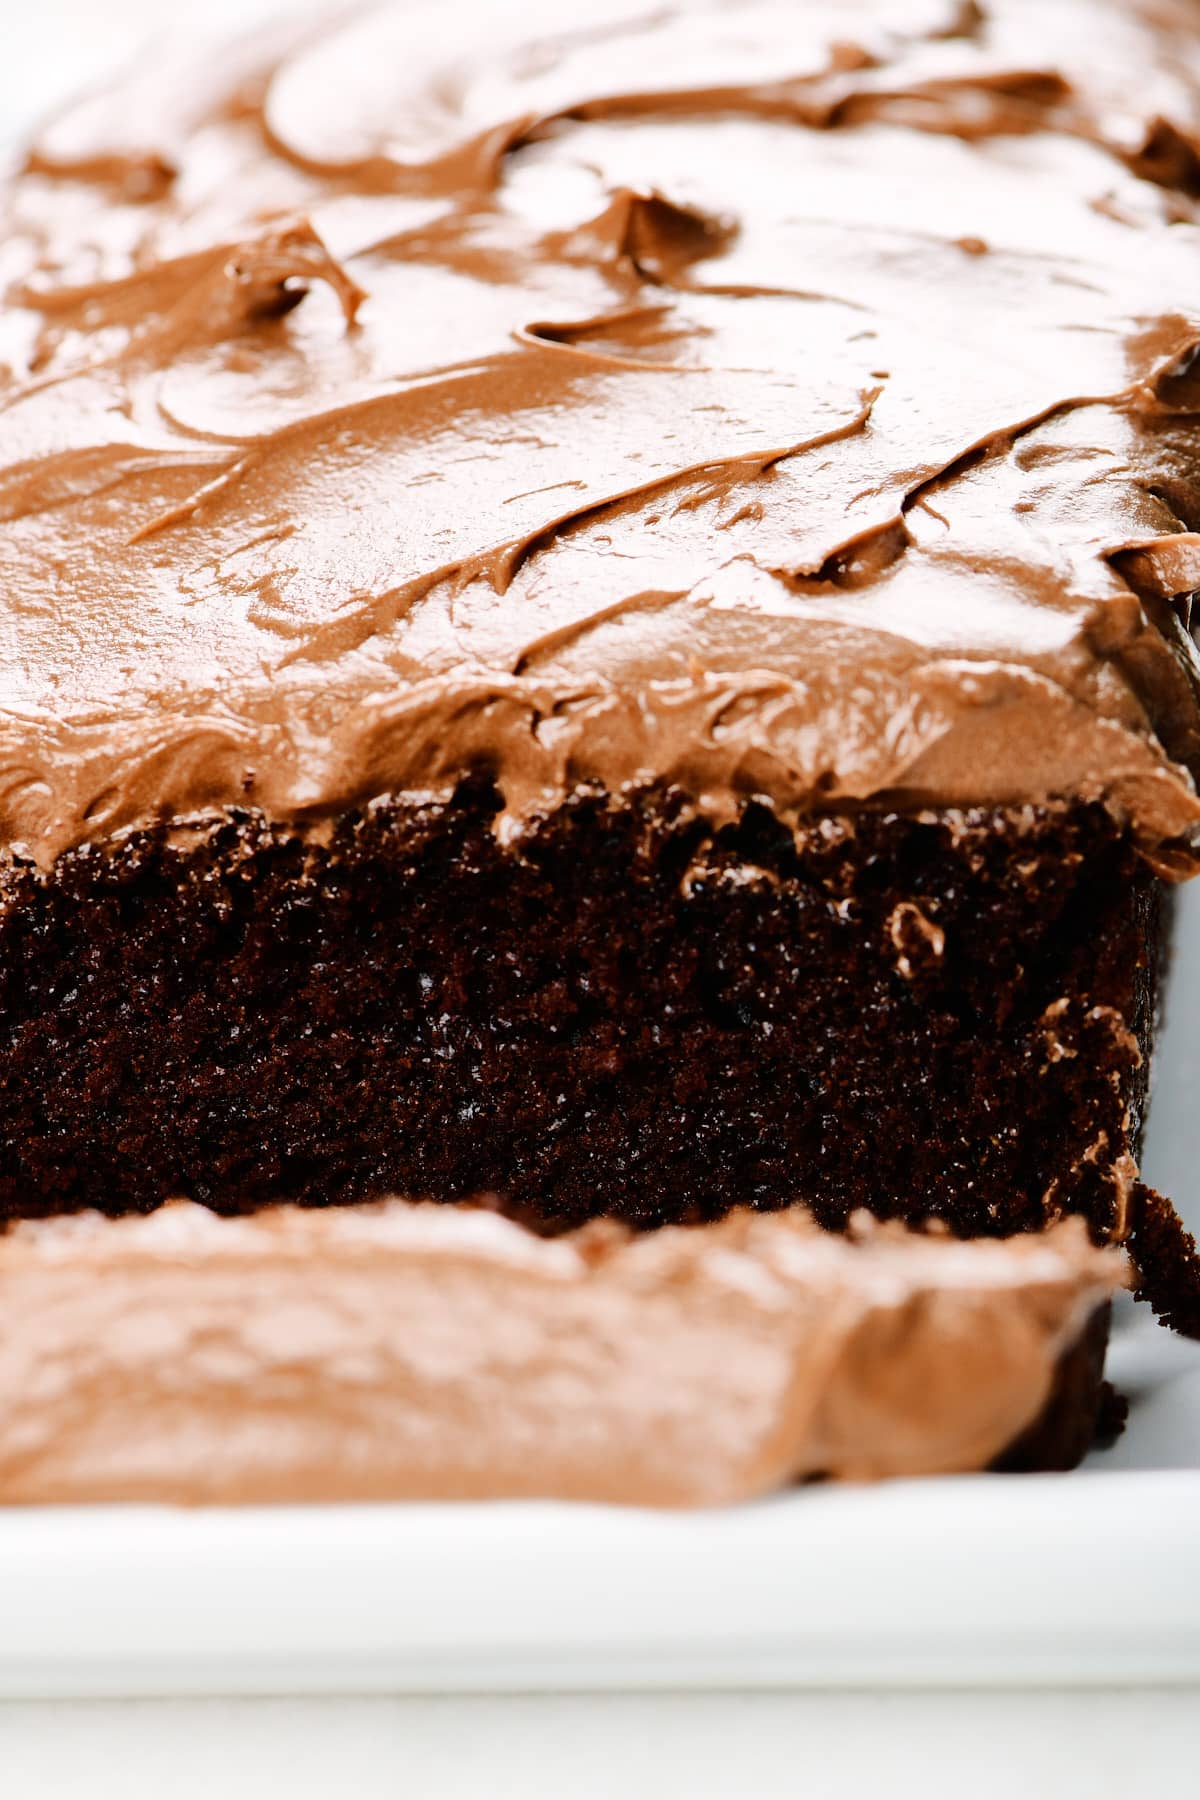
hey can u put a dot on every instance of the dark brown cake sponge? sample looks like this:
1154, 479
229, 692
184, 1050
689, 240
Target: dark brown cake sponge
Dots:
626, 1012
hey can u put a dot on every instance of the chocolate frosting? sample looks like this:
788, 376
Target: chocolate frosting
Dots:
778, 400
401, 1351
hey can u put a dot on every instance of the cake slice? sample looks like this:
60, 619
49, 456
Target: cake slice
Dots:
597, 616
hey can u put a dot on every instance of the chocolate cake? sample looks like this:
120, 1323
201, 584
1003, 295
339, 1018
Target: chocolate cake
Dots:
597, 621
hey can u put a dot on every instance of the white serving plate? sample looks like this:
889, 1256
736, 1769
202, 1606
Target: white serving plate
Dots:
1093, 1578
1087, 1578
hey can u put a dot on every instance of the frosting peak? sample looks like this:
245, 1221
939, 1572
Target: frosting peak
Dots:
783, 401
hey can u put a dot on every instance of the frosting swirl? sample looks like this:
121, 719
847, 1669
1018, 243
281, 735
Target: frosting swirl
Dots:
788, 402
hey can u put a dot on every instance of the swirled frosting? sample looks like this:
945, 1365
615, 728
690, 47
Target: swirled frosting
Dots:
781, 400
399, 1351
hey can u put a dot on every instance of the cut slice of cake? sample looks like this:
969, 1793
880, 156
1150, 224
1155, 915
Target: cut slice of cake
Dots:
598, 615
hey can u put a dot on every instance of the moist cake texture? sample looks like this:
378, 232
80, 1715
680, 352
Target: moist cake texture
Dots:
938, 1016
597, 614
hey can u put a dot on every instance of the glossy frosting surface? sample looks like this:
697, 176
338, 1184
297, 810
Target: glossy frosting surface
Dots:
780, 399
400, 1351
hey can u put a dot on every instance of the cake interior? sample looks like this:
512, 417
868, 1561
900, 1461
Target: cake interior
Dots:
623, 1011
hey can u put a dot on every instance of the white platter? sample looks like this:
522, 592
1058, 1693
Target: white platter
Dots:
1087, 1578
1090, 1578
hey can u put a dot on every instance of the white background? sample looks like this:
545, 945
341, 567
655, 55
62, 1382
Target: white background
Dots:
1052, 1744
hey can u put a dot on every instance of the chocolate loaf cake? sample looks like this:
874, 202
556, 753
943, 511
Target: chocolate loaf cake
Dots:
597, 619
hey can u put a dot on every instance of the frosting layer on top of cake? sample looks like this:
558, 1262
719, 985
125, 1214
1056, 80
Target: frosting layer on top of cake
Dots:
781, 400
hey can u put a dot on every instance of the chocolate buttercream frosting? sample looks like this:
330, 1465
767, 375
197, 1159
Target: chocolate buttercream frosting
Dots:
779, 400
399, 1351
